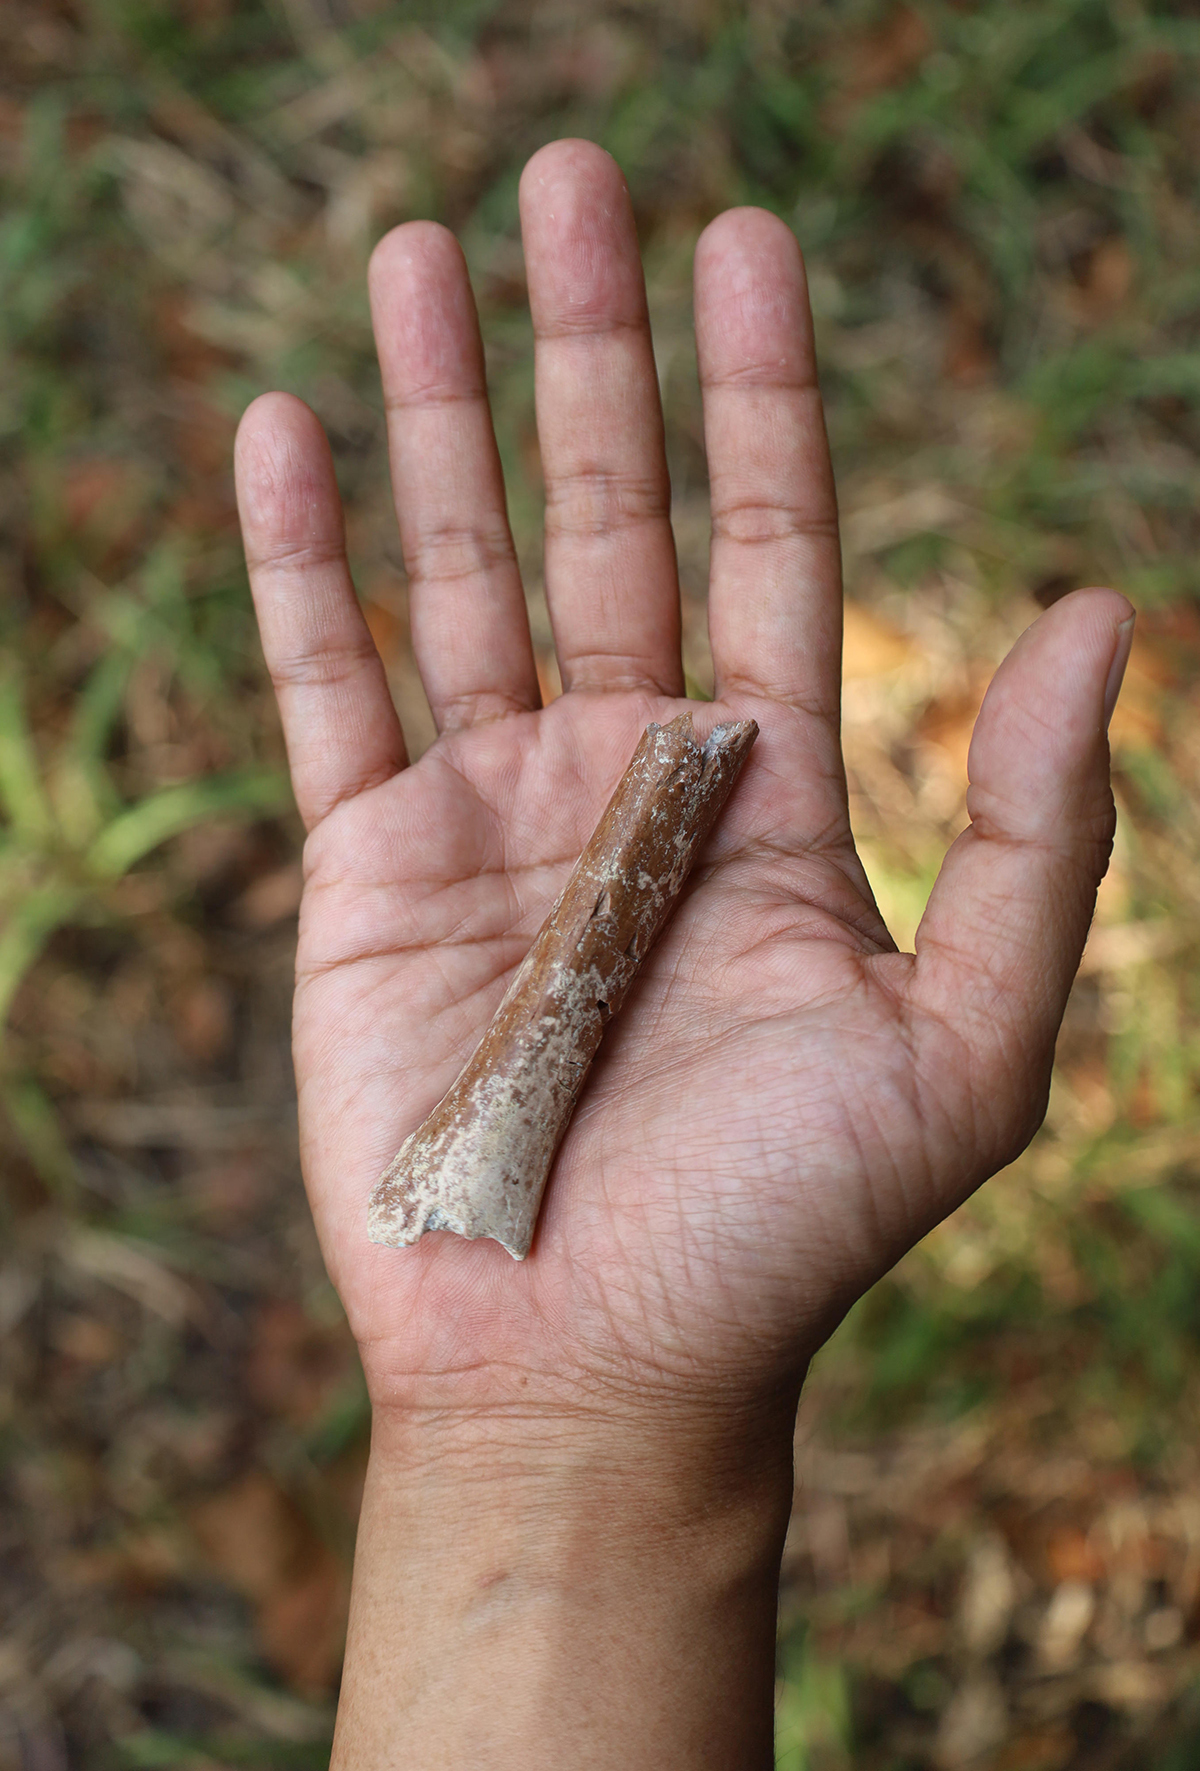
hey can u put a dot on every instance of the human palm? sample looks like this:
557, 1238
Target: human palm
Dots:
785, 1102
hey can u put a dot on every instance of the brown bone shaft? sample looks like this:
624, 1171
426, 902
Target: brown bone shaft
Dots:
479, 1164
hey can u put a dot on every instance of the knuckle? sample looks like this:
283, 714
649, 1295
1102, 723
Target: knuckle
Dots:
478, 707
589, 316
334, 663
453, 551
608, 671
596, 500
757, 374
286, 555
436, 392
758, 523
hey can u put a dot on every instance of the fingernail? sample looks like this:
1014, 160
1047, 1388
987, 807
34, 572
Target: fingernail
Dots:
1116, 669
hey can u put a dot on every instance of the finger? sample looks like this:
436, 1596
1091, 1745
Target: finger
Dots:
340, 725
611, 579
775, 617
1001, 938
470, 629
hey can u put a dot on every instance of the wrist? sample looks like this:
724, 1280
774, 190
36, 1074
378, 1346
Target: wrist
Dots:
554, 1561
562, 1486
657, 1443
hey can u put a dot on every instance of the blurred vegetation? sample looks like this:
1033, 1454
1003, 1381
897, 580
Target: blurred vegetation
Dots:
997, 1558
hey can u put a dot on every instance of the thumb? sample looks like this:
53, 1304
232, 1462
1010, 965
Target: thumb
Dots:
1002, 936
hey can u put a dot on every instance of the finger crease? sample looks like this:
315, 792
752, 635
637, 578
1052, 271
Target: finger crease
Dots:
479, 707
324, 669
297, 556
477, 550
586, 325
595, 501
759, 688
612, 670
434, 397
753, 524
752, 377
362, 782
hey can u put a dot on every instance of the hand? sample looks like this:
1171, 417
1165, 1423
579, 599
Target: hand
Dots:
786, 1103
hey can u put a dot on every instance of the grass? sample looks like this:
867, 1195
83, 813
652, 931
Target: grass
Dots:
998, 207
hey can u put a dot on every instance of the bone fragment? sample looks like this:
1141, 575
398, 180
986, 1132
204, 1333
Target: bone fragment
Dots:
479, 1164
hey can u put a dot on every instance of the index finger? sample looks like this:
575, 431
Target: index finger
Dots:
339, 722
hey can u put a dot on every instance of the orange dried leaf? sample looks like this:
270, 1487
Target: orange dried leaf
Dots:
871, 646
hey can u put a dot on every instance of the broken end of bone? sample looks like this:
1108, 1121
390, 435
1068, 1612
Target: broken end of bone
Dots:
731, 735
394, 1223
729, 743
720, 755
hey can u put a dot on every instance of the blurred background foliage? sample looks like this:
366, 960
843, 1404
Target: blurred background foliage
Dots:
996, 1558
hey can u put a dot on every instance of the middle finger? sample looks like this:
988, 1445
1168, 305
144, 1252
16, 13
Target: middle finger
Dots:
611, 580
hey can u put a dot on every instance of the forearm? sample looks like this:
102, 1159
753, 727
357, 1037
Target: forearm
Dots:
532, 1594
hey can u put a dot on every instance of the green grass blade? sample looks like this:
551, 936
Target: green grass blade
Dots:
132, 835
26, 933
84, 794
154, 1747
32, 1115
99, 705
22, 793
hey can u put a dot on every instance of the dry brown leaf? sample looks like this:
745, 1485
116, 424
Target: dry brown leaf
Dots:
946, 728
871, 646
202, 1018
1072, 1555
250, 1533
262, 1545
889, 55
1130, 1684
134, 1269
386, 629
1091, 1089
302, 1625
549, 680
105, 501
1065, 1623
974, 1722
141, 1563
1103, 281
1143, 1107
229, 1192
271, 899
988, 1596
968, 358
1043, 1749
295, 1364
204, 433
88, 1340
190, 356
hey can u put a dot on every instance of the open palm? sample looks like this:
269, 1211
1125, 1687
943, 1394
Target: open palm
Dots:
785, 1103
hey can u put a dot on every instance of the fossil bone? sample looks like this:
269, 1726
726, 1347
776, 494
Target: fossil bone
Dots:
479, 1163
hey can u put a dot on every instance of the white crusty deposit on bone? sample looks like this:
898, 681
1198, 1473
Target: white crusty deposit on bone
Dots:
478, 1164
478, 1172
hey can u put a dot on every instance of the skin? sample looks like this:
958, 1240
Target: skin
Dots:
581, 1466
